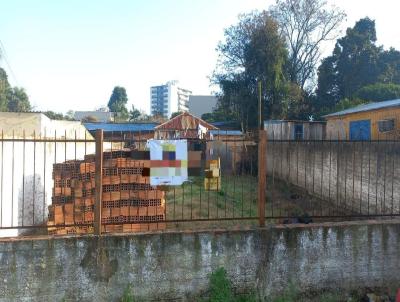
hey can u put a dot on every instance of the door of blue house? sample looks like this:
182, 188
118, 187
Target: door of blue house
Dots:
360, 130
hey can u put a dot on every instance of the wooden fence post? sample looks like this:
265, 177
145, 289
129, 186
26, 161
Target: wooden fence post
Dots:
98, 181
262, 175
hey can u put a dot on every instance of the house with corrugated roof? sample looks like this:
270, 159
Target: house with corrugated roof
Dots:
184, 125
122, 131
373, 121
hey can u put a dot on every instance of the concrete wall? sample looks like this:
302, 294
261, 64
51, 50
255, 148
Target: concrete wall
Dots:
356, 176
26, 168
175, 266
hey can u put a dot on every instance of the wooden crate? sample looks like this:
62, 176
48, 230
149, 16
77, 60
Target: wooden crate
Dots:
212, 184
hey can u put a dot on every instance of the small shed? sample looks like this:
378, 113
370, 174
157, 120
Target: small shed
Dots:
373, 121
184, 125
295, 130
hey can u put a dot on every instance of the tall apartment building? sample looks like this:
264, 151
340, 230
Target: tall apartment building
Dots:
169, 98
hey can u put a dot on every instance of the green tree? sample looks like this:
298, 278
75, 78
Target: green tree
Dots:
305, 25
4, 88
118, 101
174, 114
12, 99
134, 114
252, 52
70, 115
358, 69
18, 100
389, 65
54, 115
379, 92
347, 103
353, 64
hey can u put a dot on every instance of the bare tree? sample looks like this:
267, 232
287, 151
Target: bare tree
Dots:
305, 24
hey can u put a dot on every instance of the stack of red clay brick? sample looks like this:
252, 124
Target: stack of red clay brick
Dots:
129, 202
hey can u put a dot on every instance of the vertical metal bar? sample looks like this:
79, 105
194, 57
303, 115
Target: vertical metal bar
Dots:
251, 183
62, 184
377, 177
384, 180
183, 198
262, 148
23, 177
74, 201
313, 165
191, 200
174, 203
369, 174
272, 148
306, 150
393, 164
361, 175
44, 176
226, 182
281, 153
12, 181
288, 148
2, 176
322, 166
241, 178
321, 143
208, 204
297, 162
34, 178
338, 174
55, 161
329, 175
98, 181
234, 178
353, 172
220, 177
260, 111
345, 174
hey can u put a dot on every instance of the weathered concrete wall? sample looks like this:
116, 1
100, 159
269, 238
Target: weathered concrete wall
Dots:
357, 176
175, 266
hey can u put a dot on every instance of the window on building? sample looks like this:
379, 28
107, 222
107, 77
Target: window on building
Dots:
386, 125
298, 132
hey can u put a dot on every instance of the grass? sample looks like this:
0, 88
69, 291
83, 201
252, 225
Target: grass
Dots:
128, 295
220, 289
237, 198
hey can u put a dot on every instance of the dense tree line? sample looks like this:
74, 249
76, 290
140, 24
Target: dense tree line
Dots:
358, 70
13, 99
280, 48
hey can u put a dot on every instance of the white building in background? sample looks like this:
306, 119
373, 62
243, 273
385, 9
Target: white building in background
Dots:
102, 115
169, 98
26, 166
200, 104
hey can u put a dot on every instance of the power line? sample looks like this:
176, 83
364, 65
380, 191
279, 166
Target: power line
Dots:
3, 54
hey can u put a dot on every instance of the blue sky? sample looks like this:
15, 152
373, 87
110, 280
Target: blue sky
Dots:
70, 54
